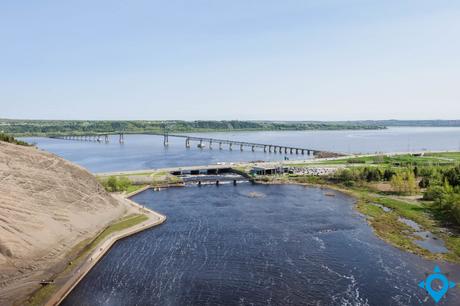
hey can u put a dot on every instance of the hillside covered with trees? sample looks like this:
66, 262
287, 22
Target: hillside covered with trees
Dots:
56, 127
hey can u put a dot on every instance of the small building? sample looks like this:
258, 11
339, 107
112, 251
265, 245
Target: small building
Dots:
269, 170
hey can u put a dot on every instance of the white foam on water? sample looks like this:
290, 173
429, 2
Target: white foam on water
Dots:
320, 241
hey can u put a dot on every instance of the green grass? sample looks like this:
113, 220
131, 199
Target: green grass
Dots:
164, 178
387, 226
396, 160
451, 155
41, 296
124, 223
86, 246
133, 188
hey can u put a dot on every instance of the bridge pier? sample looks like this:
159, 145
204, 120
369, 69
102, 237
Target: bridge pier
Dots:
241, 147
201, 144
303, 152
187, 143
210, 144
165, 139
296, 151
230, 146
252, 148
285, 150
121, 138
265, 149
220, 145
269, 149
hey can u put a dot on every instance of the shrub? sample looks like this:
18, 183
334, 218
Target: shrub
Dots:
404, 183
453, 176
11, 139
424, 182
433, 193
114, 184
388, 174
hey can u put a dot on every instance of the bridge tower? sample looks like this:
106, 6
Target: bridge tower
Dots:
165, 136
165, 139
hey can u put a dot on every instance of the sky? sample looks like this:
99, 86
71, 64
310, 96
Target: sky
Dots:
230, 59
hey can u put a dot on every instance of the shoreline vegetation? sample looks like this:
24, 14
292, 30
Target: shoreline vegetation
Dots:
397, 193
389, 189
11, 139
24, 127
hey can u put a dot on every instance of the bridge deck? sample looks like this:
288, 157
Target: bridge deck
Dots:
236, 142
97, 137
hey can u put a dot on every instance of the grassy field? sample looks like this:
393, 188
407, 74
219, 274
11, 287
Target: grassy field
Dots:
441, 159
455, 156
164, 178
132, 188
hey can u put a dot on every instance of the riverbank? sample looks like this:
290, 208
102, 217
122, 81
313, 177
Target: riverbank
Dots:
386, 215
138, 219
396, 220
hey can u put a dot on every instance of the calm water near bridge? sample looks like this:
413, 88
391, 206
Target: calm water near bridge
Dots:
256, 245
146, 151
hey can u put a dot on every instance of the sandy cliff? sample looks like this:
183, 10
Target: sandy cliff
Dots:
47, 206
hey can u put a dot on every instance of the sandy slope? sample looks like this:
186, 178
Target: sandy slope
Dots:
47, 206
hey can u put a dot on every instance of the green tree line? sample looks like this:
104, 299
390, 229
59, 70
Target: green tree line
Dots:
440, 184
76, 127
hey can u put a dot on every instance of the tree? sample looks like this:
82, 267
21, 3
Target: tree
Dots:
123, 183
397, 183
453, 176
411, 183
112, 184
388, 174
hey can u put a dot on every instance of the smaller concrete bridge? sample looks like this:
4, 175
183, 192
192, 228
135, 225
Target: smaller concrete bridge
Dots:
95, 137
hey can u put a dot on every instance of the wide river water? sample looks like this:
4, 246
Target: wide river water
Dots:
147, 151
254, 244
257, 245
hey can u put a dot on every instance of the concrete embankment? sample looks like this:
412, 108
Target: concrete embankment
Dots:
102, 248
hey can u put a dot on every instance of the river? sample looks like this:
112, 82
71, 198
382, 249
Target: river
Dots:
257, 245
147, 151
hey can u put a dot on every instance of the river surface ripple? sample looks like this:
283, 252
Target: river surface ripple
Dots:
257, 245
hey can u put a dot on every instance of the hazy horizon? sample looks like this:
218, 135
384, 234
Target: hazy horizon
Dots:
260, 120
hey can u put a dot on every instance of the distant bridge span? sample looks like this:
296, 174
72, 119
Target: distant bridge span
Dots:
203, 141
